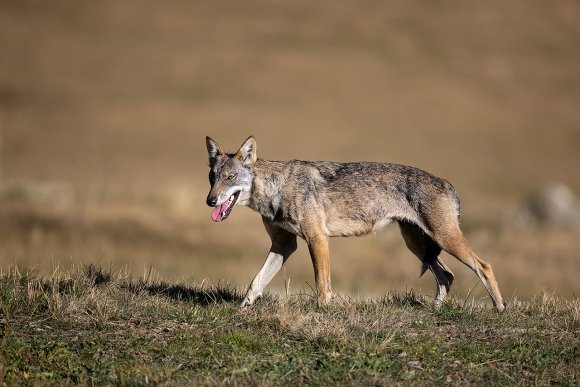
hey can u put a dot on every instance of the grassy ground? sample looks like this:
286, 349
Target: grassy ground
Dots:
92, 326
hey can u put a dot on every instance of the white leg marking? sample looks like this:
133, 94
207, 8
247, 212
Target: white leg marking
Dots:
272, 265
441, 294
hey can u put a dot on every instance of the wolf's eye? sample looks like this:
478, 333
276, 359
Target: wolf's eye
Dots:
232, 177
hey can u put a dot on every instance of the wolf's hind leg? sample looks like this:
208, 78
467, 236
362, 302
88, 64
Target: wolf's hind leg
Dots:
428, 251
444, 278
455, 244
283, 245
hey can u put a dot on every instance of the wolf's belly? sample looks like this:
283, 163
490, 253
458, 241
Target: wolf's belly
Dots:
355, 227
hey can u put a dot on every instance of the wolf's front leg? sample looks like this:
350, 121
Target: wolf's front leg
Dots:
272, 265
283, 245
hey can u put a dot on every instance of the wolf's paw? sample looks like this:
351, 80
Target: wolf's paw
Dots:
501, 307
324, 299
249, 300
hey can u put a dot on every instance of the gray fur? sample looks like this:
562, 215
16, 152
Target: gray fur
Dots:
361, 194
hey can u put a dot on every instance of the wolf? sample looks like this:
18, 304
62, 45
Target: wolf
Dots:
322, 199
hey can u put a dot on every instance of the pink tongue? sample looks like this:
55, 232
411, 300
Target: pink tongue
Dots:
216, 214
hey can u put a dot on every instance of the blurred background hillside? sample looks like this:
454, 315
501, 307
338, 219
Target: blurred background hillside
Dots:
104, 107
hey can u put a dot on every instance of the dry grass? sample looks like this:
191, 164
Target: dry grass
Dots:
125, 93
90, 326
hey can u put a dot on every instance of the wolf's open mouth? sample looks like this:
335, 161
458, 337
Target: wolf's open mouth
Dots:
222, 211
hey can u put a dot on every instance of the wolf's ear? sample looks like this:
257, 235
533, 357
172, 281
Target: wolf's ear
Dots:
213, 149
247, 152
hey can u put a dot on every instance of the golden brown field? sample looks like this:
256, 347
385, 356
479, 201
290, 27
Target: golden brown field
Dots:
104, 107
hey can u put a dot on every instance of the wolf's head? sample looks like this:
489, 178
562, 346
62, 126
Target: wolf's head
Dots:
230, 177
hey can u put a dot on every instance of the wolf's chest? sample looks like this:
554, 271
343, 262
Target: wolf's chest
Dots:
282, 217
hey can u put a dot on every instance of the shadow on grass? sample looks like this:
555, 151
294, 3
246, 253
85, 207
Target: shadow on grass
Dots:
195, 294
199, 295
96, 275
408, 298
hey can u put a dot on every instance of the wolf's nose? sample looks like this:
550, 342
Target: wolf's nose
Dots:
211, 201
